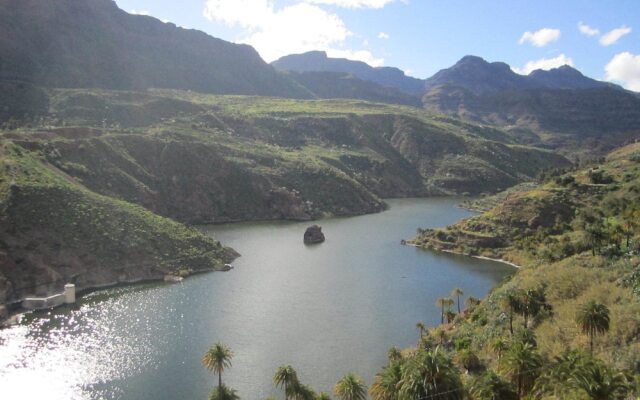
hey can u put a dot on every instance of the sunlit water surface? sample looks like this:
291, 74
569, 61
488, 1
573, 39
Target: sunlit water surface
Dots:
326, 309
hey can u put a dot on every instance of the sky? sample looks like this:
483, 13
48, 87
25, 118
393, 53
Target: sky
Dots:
600, 38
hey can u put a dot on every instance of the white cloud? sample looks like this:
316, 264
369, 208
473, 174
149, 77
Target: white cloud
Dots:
612, 36
540, 38
245, 13
588, 30
353, 3
624, 68
296, 28
544, 63
383, 35
139, 12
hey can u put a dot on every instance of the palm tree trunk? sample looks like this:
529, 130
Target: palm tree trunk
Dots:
442, 315
458, 304
511, 322
591, 343
526, 320
219, 378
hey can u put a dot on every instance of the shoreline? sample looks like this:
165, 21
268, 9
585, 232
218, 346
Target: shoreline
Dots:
498, 260
16, 311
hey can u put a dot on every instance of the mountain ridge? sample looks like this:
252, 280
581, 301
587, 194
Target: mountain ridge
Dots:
318, 61
93, 43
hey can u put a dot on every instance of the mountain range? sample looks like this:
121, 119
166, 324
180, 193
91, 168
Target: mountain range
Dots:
559, 108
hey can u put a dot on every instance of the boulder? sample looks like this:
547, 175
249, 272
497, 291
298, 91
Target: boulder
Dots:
313, 234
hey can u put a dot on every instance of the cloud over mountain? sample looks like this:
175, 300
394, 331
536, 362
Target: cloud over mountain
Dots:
297, 27
541, 37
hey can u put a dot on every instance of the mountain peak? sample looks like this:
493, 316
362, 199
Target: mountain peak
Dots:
480, 77
477, 75
471, 59
318, 61
564, 70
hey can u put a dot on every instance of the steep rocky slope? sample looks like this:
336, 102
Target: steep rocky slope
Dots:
53, 230
93, 43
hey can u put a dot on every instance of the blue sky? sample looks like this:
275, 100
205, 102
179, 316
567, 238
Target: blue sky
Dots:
423, 36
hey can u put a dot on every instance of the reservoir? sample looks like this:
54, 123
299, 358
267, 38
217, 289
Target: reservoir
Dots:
326, 309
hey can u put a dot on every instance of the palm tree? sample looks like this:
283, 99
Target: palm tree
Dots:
521, 363
394, 355
593, 319
602, 383
441, 335
556, 378
223, 392
430, 374
467, 359
510, 303
499, 345
457, 292
530, 303
471, 302
385, 384
449, 316
351, 387
302, 392
217, 358
421, 328
490, 386
287, 379
441, 302
323, 396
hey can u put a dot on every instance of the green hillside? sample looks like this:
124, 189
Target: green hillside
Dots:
577, 239
205, 158
54, 230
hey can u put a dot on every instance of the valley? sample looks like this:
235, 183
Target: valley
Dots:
134, 150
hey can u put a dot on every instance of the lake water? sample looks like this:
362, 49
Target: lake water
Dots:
326, 309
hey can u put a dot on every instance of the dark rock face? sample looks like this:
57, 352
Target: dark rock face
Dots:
108, 48
313, 234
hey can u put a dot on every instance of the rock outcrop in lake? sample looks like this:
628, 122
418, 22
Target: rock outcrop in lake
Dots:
313, 235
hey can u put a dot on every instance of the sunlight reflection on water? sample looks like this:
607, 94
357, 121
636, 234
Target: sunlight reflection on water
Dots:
327, 310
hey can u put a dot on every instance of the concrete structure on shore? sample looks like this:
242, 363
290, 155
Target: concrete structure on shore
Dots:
37, 303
